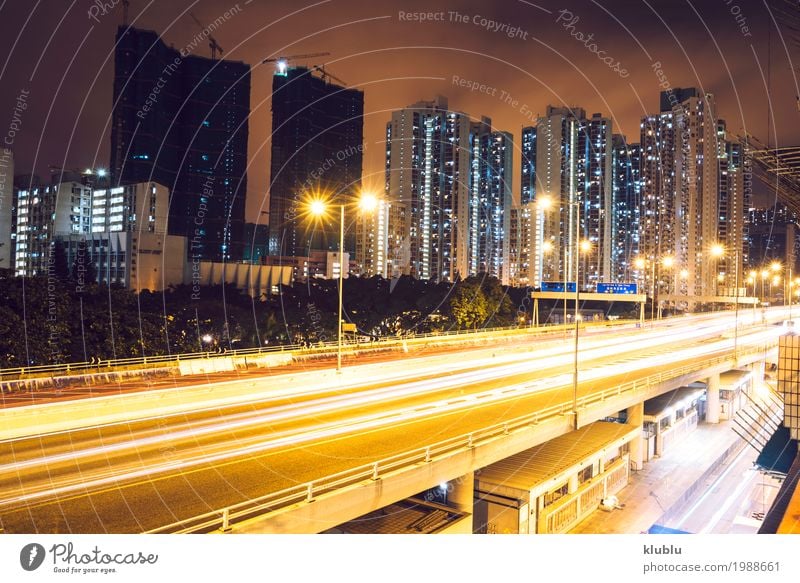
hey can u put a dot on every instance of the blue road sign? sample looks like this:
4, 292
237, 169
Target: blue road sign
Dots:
558, 286
616, 288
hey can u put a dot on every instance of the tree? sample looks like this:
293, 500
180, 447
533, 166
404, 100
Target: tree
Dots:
468, 305
499, 305
60, 269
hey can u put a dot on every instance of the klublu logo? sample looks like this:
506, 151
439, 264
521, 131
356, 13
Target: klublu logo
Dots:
31, 556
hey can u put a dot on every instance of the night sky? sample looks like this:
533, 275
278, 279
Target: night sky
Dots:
64, 59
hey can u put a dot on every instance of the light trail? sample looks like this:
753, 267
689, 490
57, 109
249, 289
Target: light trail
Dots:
292, 438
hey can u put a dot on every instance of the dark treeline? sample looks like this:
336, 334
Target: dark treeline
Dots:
54, 319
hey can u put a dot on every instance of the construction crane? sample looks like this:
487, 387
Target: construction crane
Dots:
212, 42
282, 63
326, 76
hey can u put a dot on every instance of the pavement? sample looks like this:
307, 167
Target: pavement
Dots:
660, 490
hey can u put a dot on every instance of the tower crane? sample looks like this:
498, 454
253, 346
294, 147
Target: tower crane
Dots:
326, 76
283, 62
212, 42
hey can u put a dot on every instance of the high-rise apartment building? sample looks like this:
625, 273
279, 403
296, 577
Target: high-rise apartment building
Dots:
491, 200
528, 165
121, 230
659, 211
44, 212
574, 173
142, 207
429, 153
734, 201
520, 244
449, 182
560, 148
697, 150
182, 121
317, 148
693, 196
625, 208
129, 242
597, 206
772, 236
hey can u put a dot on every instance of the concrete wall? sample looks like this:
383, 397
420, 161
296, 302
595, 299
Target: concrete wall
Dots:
160, 261
257, 280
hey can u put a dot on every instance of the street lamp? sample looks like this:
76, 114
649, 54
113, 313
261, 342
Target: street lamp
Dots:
318, 208
751, 279
776, 267
717, 251
587, 246
667, 261
774, 283
547, 248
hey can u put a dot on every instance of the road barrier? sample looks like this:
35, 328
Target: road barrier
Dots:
87, 373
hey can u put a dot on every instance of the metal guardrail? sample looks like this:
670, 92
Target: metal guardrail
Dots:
223, 518
111, 365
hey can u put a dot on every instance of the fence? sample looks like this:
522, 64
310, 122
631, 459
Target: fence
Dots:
321, 349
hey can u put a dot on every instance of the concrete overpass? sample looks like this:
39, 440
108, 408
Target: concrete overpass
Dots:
438, 432
332, 500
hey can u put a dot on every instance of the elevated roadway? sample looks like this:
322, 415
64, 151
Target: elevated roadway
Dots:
298, 453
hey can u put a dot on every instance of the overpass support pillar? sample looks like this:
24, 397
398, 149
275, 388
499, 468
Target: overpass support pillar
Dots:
712, 399
636, 451
461, 495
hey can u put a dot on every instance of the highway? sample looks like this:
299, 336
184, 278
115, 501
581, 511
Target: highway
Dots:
519, 338
145, 472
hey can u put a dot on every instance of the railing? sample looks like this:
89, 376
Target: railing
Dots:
617, 478
110, 365
576, 506
223, 518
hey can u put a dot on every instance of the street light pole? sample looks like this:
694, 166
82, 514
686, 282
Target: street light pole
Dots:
318, 208
736, 308
341, 289
653, 303
577, 327
566, 330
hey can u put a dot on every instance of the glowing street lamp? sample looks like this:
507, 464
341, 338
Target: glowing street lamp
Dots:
716, 251
368, 202
318, 208
667, 261
544, 202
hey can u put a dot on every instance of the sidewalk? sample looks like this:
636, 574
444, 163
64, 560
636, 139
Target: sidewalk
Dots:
667, 482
